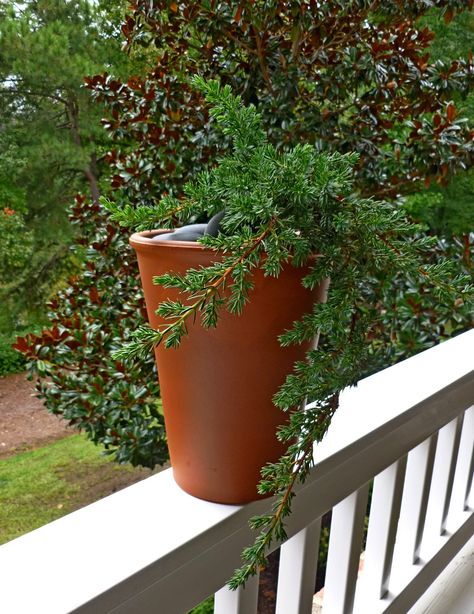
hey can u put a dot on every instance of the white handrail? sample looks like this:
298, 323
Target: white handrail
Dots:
152, 548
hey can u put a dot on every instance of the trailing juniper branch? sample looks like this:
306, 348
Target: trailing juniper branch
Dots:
295, 206
168, 211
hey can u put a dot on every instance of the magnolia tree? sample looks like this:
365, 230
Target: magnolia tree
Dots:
345, 76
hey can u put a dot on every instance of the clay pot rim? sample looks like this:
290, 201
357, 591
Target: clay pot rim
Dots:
143, 241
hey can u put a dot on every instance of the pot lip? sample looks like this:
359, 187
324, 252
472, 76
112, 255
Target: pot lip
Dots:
143, 241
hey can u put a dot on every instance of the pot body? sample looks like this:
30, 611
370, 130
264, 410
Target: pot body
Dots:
217, 387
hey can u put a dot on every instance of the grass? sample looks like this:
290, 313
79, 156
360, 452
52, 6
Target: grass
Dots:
41, 485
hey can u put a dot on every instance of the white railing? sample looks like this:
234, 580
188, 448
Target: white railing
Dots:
151, 548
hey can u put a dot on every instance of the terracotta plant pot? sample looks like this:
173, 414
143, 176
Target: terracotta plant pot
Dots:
217, 387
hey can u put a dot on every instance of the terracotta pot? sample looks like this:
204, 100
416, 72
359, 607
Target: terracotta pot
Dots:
217, 387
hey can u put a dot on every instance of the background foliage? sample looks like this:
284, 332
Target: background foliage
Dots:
50, 136
346, 76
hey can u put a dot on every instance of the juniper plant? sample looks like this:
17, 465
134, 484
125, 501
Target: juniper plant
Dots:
285, 206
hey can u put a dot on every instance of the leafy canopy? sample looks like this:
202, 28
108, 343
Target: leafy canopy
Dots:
280, 206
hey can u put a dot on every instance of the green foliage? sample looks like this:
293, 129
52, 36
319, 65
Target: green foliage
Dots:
344, 76
12, 162
16, 245
51, 136
445, 210
454, 34
206, 607
16, 255
11, 361
449, 209
114, 405
298, 201
315, 74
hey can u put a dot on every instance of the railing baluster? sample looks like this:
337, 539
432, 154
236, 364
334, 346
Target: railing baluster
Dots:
383, 521
297, 573
240, 601
468, 448
414, 502
443, 477
345, 543
456, 440
469, 496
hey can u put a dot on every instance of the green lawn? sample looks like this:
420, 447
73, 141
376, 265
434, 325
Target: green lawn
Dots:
41, 485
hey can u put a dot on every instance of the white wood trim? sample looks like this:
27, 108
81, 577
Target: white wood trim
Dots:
443, 476
383, 523
345, 545
297, 571
453, 591
241, 601
414, 502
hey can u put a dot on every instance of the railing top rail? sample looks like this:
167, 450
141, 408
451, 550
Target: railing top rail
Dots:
397, 390
131, 544
411, 399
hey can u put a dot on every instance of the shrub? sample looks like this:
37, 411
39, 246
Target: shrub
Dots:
347, 76
11, 361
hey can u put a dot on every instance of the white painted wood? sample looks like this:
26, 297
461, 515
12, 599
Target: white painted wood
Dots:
470, 475
405, 589
135, 550
382, 530
297, 572
390, 393
414, 502
464, 467
453, 591
163, 539
470, 500
345, 545
240, 601
455, 430
443, 478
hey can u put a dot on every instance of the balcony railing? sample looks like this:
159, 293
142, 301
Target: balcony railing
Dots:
151, 548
